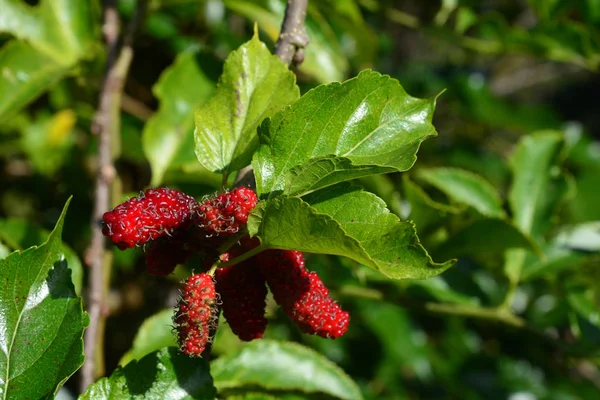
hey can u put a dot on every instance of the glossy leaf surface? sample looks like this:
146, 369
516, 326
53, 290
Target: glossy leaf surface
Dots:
347, 221
254, 85
20, 234
282, 366
365, 126
165, 374
42, 321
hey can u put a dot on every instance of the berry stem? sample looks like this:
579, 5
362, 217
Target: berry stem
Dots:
212, 269
224, 180
244, 257
232, 241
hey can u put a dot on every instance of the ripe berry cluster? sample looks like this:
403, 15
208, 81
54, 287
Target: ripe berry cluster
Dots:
172, 225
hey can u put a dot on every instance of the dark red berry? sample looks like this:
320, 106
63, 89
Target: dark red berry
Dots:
243, 293
165, 253
195, 314
153, 214
242, 246
302, 294
227, 213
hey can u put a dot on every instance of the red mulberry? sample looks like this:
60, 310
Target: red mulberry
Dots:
165, 253
302, 294
225, 214
155, 213
243, 292
195, 314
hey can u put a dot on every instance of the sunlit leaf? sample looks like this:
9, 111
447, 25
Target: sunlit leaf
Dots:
534, 165
181, 88
42, 321
585, 237
55, 35
365, 126
20, 234
62, 29
282, 366
466, 188
424, 211
345, 220
324, 60
26, 73
155, 333
254, 85
165, 374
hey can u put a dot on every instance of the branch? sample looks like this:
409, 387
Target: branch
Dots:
107, 126
292, 38
289, 47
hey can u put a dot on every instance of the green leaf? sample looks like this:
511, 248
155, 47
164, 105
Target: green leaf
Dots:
155, 333
466, 188
324, 59
181, 88
535, 171
404, 344
367, 125
585, 303
55, 35
347, 221
48, 140
4, 250
584, 237
254, 85
62, 29
486, 236
26, 73
165, 374
252, 396
556, 259
42, 321
282, 366
532, 164
20, 234
383, 186
424, 211
440, 290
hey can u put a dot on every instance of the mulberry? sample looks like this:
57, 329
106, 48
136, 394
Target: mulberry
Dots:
195, 314
243, 292
302, 294
227, 213
153, 214
165, 253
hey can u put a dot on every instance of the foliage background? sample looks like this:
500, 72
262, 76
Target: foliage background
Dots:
508, 69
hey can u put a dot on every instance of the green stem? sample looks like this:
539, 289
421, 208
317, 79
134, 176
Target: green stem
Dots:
232, 241
244, 257
461, 310
224, 179
495, 314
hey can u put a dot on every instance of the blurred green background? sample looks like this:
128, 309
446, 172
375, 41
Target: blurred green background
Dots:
518, 106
